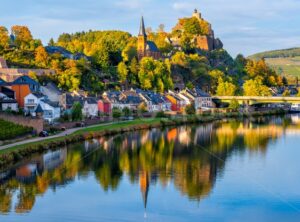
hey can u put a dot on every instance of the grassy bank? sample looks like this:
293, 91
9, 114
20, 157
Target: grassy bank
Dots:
16, 153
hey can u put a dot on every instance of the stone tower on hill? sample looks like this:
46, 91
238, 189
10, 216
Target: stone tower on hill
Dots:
206, 42
146, 48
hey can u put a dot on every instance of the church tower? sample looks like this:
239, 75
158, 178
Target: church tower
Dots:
142, 40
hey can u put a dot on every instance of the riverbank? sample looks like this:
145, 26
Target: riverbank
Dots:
18, 152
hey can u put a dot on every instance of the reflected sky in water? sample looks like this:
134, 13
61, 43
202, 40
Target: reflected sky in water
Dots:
225, 171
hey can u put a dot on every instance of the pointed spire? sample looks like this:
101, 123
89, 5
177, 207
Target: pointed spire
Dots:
144, 185
142, 28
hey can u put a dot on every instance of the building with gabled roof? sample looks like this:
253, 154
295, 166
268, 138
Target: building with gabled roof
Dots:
145, 47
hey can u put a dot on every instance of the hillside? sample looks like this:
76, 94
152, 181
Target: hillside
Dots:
285, 62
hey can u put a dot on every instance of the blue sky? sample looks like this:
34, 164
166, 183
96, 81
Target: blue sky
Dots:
243, 26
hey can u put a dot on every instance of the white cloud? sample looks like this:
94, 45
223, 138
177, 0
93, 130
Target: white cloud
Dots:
243, 26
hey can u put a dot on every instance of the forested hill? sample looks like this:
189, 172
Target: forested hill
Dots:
282, 53
285, 62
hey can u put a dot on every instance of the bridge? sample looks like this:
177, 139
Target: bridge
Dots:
252, 100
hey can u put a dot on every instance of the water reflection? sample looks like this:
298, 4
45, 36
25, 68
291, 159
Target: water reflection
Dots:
190, 157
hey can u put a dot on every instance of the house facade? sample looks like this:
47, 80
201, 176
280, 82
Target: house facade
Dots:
90, 107
202, 99
37, 103
23, 86
104, 106
7, 103
145, 47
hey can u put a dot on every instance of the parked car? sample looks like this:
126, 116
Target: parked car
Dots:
82, 124
44, 134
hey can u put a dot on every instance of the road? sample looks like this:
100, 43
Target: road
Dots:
64, 133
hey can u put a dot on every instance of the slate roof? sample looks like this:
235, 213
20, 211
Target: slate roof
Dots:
198, 93
91, 100
132, 100
39, 109
53, 88
66, 53
24, 80
152, 46
38, 95
2, 82
201, 93
53, 104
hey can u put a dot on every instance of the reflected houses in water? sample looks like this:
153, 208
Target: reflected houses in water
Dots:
188, 157
28, 180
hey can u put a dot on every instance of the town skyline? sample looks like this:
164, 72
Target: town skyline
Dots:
245, 28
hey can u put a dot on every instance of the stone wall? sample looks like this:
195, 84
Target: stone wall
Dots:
37, 124
10, 75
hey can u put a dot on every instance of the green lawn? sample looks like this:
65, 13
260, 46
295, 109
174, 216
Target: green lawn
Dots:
98, 128
119, 125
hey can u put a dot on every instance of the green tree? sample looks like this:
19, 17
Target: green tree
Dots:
77, 111
126, 111
122, 72
234, 104
215, 76
192, 26
130, 51
146, 72
133, 71
51, 42
116, 113
190, 109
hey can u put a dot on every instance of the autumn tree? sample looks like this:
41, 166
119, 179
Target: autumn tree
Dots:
286, 93
33, 75
130, 51
122, 72
155, 75
70, 78
4, 38
133, 71
22, 35
215, 76
255, 87
41, 56
225, 88
261, 69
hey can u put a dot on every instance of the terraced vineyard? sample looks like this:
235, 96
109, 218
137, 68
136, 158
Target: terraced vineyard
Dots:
285, 66
9, 130
285, 62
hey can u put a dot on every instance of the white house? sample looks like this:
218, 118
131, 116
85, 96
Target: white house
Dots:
90, 107
31, 101
202, 99
7, 103
51, 111
36, 102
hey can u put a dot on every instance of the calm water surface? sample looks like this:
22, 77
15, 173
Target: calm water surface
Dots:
231, 171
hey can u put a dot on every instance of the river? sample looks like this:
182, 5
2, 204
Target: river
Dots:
223, 171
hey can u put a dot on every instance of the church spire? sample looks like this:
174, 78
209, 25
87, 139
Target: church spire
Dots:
142, 28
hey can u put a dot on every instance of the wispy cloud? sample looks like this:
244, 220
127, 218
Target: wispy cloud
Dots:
243, 26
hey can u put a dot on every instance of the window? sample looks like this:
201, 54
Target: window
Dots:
30, 101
